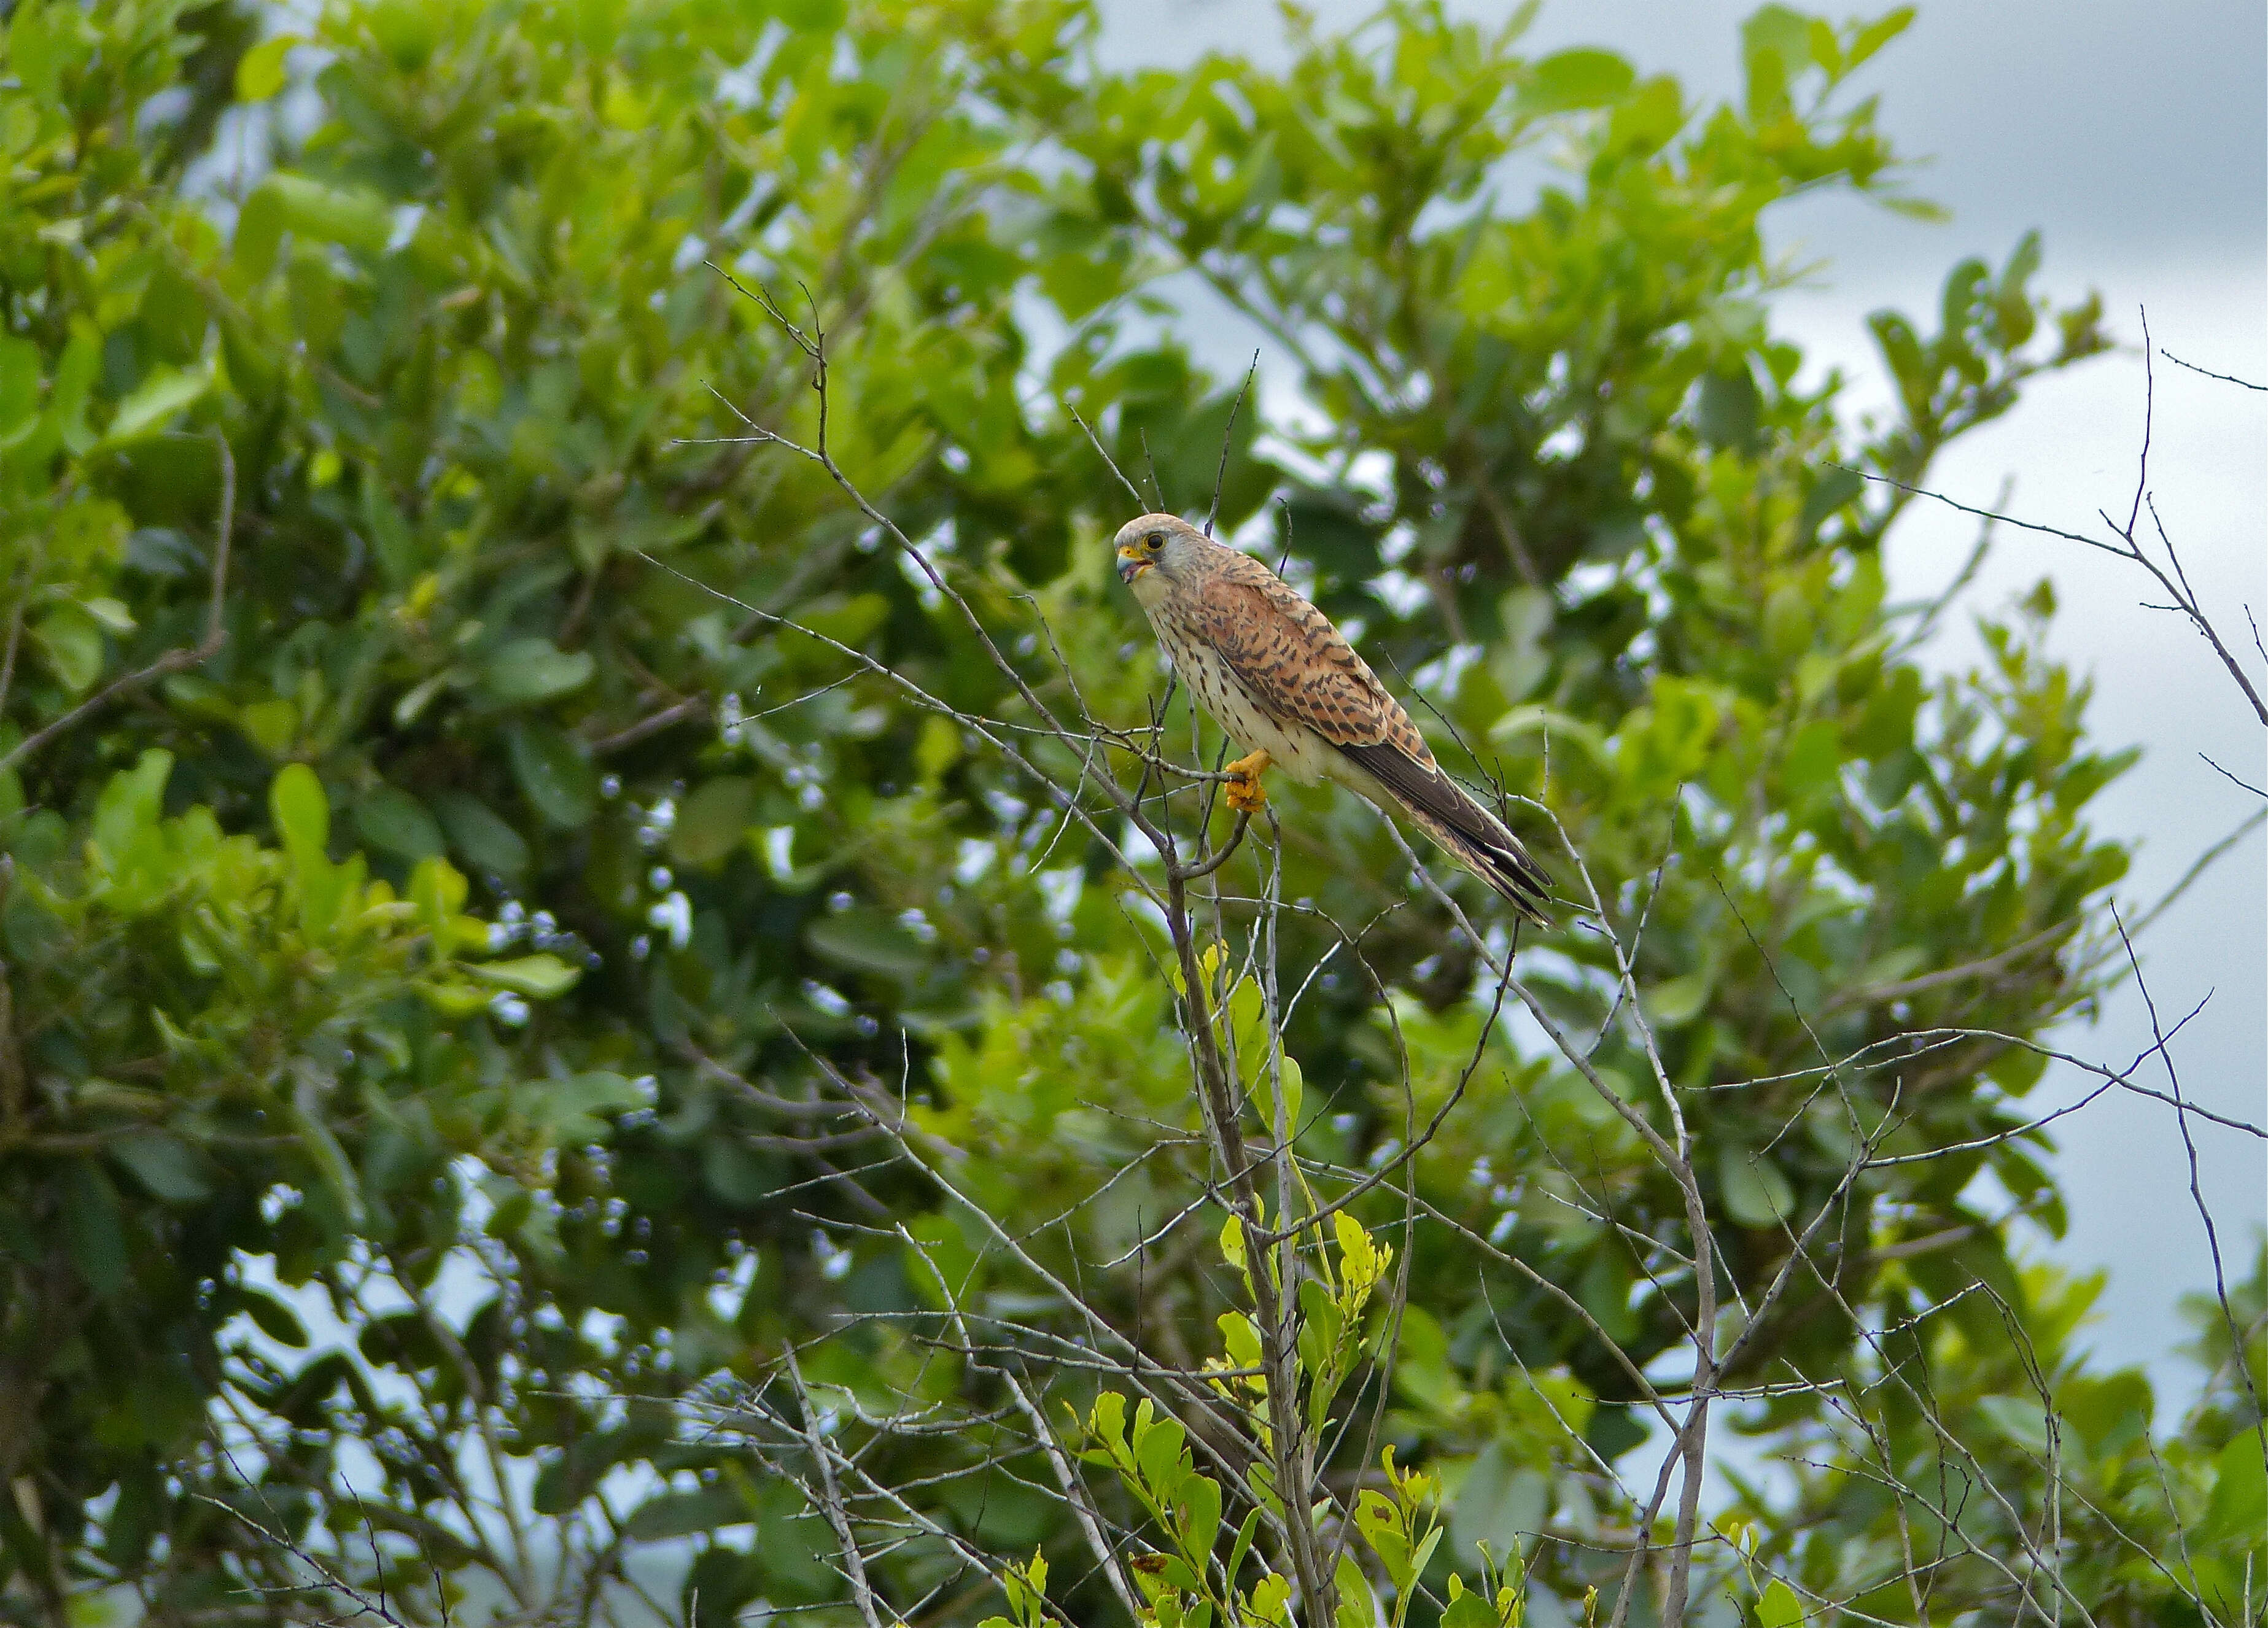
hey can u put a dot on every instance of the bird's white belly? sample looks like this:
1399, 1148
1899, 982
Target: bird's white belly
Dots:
1299, 751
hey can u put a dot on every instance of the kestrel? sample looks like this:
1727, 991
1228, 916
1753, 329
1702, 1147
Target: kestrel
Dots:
1279, 677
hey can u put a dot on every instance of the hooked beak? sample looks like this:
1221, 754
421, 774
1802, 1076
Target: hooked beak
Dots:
1131, 565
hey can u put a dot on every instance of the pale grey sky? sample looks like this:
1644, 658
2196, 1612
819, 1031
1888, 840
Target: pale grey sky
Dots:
2135, 137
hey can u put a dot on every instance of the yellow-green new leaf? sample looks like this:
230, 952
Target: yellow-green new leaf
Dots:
539, 976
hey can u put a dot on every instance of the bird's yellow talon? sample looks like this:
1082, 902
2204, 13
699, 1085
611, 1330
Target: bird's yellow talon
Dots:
1246, 794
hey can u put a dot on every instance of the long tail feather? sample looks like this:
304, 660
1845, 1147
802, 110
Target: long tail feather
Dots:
1442, 808
1499, 860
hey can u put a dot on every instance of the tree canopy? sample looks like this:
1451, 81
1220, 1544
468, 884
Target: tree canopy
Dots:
530, 903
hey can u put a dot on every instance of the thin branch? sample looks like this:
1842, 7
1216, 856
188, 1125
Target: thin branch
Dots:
678, 713
2196, 1192
1228, 440
2130, 551
838, 1517
2242, 785
365, 1606
2226, 378
1096, 442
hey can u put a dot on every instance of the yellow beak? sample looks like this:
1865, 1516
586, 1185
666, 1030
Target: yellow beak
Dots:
1131, 563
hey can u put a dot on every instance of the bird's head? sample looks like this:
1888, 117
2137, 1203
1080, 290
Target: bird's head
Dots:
1154, 552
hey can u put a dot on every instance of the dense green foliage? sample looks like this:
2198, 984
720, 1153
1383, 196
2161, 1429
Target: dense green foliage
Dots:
424, 1000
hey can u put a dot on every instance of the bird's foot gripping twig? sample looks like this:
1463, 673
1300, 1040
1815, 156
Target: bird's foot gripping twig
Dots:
1246, 794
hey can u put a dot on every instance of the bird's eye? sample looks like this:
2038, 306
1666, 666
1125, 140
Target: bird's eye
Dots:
1155, 540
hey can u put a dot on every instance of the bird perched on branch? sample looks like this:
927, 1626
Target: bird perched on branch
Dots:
1286, 685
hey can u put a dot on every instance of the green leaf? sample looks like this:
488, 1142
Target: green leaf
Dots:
390, 533
1426, 1545
349, 217
1381, 1528
94, 1228
154, 403
1498, 1504
744, 1176
2020, 1419
1200, 1514
1679, 1001
1780, 1608
1287, 1067
71, 640
1330, 526
1902, 351
1835, 488
259, 234
1106, 1422
113, 614
1877, 34
2239, 1506
272, 725
1813, 761
682, 1514
487, 842
1158, 1452
868, 941
74, 386
390, 818
259, 71
568, 1479
554, 774
1729, 409
1079, 282
164, 1164
540, 977
273, 1318
1775, 44
1467, 1610
1358, 1602
2011, 300
577, 1110
36, 47
1422, 1370
1571, 80
1755, 1193
127, 810
1242, 1547
19, 385
713, 820
301, 811
1644, 123
531, 670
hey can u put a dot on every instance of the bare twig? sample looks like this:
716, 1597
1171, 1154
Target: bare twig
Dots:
1112, 463
677, 712
838, 1515
2226, 378
2125, 549
1228, 440
2242, 785
2196, 1192
326, 1579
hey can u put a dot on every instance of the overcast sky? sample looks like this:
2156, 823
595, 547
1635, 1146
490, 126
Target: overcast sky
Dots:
2135, 137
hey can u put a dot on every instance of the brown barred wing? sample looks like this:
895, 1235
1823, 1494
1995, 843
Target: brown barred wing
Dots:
1300, 669
1291, 660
